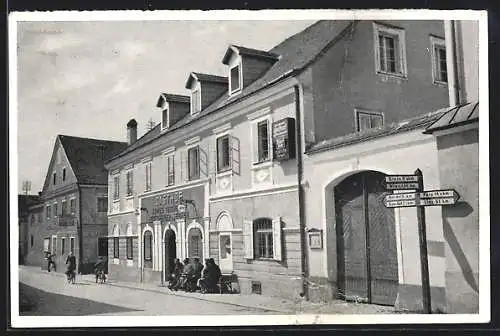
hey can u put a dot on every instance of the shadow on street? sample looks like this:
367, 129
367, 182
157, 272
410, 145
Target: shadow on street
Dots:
36, 302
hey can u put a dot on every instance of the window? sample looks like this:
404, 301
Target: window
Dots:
195, 242
32, 240
148, 246
116, 189
64, 174
263, 232
148, 176
64, 209
390, 54
170, 170
116, 247
54, 178
55, 209
72, 245
223, 156
366, 120
235, 78
47, 211
102, 204
46, 244
193, 163
196, 101
32, 220
63, 246
164, 118
130, 183
438, 53
72, 205
263, 153
54, 245
129, 248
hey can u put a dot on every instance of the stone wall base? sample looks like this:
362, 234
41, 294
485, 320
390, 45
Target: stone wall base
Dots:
410, 298
286, 287
321, 289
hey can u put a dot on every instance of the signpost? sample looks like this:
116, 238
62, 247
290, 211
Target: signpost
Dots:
419, 199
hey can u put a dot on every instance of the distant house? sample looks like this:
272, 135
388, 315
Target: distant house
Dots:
223, 175
74, 203
24, 220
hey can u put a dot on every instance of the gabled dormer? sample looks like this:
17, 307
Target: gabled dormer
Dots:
173, 108
205, 89
245, 65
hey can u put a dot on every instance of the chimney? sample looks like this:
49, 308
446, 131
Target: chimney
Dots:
131, 131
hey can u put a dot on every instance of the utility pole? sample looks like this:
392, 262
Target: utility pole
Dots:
26, 187
151, 124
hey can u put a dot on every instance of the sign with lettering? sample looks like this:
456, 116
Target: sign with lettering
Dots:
170, 206
401, 182
425, 198
284, 139
402, 186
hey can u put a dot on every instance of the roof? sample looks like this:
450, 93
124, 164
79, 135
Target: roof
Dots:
296, 54
172, 98
249, 52
457, 116
405, 125
205, 78
87, 156
25, 201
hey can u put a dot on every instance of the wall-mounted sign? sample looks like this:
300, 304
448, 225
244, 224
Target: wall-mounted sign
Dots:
172, 205
315, 238
284, 139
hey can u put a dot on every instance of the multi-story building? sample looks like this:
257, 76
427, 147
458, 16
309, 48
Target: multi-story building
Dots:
34, 234
223, 175
75, 203
24, 221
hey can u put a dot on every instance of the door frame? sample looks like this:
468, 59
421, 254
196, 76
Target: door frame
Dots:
230, 235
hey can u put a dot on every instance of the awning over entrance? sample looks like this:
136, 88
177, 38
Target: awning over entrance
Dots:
456, 116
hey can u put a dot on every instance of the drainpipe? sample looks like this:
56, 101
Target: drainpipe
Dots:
302, 220
80, 229
452, 63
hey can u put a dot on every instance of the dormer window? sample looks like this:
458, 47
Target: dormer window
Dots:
164, 118
235, 78
195, 101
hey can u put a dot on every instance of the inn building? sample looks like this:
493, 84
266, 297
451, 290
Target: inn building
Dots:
230, 173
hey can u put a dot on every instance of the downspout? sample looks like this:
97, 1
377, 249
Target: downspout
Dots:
302, 220
452, 63
80, 230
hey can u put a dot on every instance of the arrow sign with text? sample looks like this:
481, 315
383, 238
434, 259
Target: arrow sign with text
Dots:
401, 182
425, 198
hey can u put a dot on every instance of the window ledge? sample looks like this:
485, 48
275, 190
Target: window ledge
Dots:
392, 74
225, 172
264, 259
129, 197
116, 200
262, 164
439, 83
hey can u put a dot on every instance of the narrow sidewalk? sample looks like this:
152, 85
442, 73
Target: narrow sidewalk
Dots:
252, 301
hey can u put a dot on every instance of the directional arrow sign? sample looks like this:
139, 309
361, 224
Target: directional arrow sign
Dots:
402, 186
401, 178
425, 198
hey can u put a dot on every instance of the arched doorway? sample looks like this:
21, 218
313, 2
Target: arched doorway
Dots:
170, 252
366, 240
225, 226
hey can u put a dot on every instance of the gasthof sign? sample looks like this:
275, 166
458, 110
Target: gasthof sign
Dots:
402, 186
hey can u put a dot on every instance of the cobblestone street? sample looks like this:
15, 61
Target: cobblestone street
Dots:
43, 293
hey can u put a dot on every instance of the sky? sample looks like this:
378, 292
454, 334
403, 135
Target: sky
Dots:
89, 78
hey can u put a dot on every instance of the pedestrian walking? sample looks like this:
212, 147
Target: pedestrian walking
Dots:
50, 261
71, 262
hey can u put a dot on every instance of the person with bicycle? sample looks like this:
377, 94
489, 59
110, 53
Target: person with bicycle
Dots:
99, 267
71, 262
50, 261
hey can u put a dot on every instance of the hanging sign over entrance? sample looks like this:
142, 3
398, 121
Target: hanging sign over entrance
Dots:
425, 198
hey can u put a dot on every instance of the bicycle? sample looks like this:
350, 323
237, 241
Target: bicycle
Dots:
71, 277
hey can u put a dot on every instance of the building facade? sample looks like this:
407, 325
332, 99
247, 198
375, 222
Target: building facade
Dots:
225, 174
25, 220
72, 215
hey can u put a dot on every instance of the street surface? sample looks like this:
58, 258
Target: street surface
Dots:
43, 293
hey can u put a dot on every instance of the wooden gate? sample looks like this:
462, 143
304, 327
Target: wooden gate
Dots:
366, 240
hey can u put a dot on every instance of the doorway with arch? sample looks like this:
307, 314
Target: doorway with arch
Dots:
365, 230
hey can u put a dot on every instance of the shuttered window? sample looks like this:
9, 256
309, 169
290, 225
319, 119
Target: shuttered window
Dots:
262, 239
130, 248
116, 247
170, 170
148, 246
223, 154
193, 163
116, 187
148, 176
263, 141
235, 79
130, 183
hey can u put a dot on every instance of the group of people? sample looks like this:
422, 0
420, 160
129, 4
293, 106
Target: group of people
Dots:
99, 266
192, 275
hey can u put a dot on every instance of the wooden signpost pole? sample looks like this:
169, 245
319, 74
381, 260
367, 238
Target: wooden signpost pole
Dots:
424, 263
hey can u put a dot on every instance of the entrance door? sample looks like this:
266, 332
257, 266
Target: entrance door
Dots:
102, 247
226, 253
170, 252
366, 240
